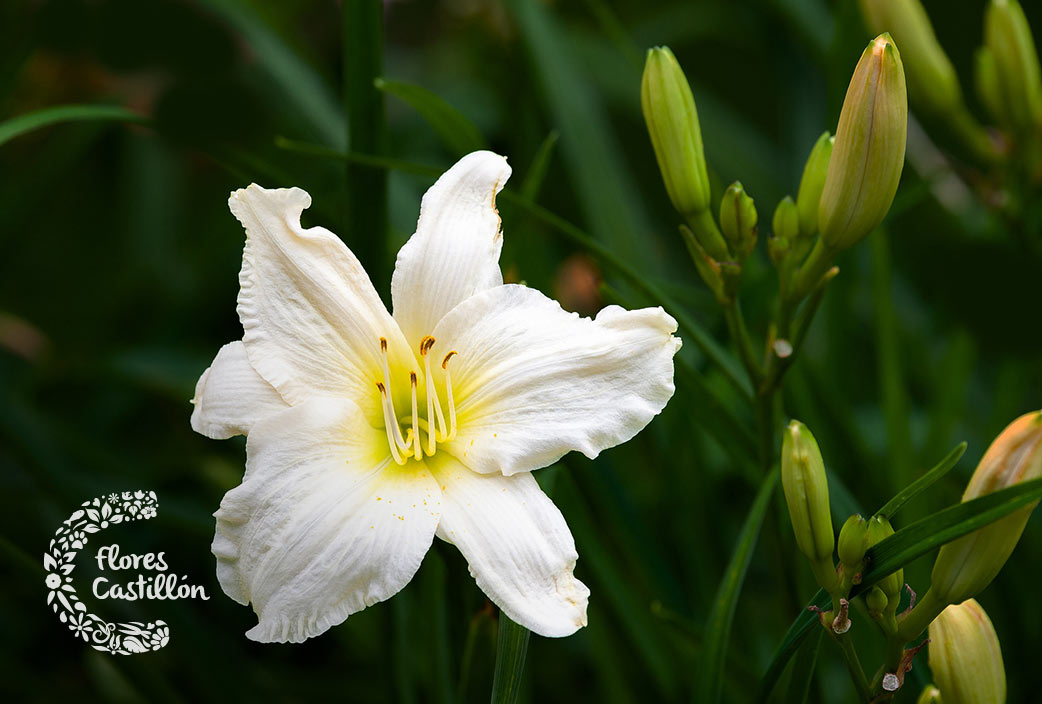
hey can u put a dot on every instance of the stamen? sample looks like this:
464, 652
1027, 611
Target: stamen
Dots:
418, 453
433, 405
398, 439
448, 394
388, 422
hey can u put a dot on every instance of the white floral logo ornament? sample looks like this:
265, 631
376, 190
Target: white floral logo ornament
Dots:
370, 433
93, 516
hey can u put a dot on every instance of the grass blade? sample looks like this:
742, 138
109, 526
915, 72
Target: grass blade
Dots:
709, 682
922, 483
22, 124
510, 661
457, 132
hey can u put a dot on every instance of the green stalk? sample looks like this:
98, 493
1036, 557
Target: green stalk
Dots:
366, 218
895, 397
740, 334
857, 673
510, 661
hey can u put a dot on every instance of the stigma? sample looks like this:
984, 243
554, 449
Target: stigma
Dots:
421, 434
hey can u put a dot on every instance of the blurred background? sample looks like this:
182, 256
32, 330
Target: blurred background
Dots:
118, 278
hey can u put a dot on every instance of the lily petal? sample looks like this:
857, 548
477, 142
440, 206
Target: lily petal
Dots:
324, 524
311, 316
230, 396
455, 251
534, 382
517, 545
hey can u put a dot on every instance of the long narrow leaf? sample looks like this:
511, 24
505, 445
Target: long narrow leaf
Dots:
803, 669
510, 661
17, 126
457, 132
790, 643
922, 483
710, 679
921, 537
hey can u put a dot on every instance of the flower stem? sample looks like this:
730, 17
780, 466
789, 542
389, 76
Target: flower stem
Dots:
510, 661
740, 334
919, 618
857, 674
366, 202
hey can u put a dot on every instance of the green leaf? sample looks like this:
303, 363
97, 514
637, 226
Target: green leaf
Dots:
803, 669
710, 673
17, 126
459, 133
923, 482
540, 164
921, 537
510, 661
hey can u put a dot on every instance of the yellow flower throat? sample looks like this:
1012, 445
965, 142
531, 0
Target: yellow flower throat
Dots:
433, 426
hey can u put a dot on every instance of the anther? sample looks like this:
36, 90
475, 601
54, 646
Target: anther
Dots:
425, 345
447, 358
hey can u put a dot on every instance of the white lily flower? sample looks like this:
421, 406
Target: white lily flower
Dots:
370, 433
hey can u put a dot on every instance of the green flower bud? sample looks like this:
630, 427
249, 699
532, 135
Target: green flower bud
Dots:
807, 496
878, 530
989, 89
812, 183
966, 566
876, 602
1008, 37
929, 695
853, 541
778, 249
669, 111
965, 656
869, 151
786, 220
738, 221
932, 82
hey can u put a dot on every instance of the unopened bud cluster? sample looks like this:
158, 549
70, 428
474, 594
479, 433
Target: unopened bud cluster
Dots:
846, 189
